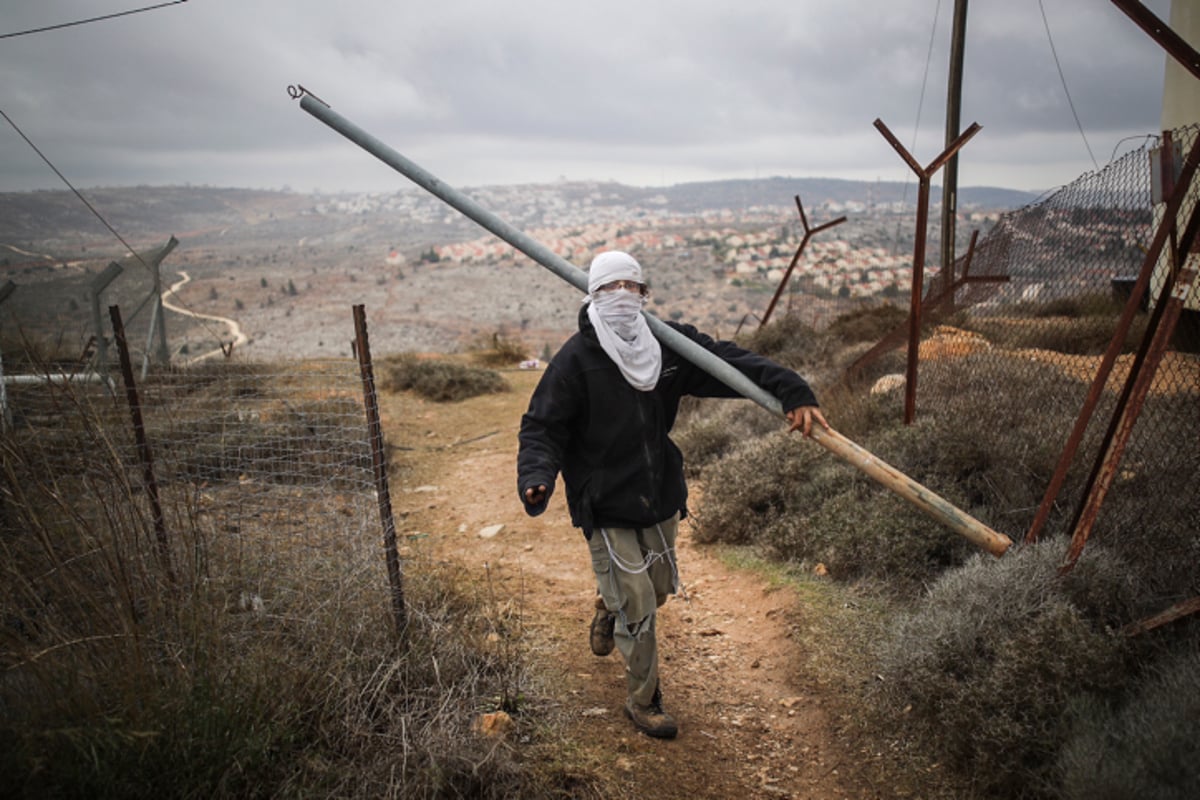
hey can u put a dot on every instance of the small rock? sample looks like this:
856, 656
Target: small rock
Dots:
490, 531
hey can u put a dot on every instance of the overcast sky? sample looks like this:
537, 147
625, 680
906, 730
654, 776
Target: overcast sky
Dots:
645, 93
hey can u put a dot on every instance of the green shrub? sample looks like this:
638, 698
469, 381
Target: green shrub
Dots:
985, 669
437, 380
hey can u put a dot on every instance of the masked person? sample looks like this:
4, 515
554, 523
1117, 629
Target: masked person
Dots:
601, 415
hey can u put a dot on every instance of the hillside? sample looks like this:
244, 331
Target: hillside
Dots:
288, 267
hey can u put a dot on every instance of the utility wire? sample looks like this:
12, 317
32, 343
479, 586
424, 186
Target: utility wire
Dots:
1063, 78
90, 207
917, 125
92, 19
82, 199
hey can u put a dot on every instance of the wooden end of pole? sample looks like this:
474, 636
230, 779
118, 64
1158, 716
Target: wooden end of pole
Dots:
923, 498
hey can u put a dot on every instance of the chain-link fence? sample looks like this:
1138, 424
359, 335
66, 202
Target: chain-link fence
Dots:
1039, 300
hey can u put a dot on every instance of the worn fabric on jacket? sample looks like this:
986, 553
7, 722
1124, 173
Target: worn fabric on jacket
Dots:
611, 441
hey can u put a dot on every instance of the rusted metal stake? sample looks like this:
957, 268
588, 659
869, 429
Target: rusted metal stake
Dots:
379, 464
918, 269
1177, 611
808, 234
143, 444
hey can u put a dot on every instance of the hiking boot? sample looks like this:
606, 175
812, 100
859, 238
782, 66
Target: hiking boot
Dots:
601, 633
652, 720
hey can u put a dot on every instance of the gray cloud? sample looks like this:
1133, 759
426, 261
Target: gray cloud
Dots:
640, 92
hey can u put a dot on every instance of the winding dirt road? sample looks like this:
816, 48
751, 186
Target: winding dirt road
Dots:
235, 329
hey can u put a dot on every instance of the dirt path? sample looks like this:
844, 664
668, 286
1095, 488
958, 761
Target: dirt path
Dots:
731, 674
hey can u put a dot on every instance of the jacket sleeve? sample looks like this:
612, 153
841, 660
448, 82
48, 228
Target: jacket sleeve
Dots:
785, 384
544, 436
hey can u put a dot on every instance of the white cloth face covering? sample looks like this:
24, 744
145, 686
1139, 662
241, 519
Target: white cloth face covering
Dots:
625, 336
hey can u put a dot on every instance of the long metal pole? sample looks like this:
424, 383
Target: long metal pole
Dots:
921, 497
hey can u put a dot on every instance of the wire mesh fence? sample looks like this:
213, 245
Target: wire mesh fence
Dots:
269, 463
1037, 302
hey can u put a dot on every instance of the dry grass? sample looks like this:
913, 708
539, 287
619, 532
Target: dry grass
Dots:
438, 380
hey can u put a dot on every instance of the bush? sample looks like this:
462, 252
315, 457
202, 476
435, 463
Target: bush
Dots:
985, 669
440, 381
1149, 746
792, 343
867, 324
711, 428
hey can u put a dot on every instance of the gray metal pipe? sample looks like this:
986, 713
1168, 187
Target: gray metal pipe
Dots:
921, 497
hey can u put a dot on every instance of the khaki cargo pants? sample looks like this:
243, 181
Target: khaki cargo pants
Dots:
635, 573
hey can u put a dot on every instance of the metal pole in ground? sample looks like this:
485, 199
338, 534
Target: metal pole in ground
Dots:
379, 463
143, 444
921, 497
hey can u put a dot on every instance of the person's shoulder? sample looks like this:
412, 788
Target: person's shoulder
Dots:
568, 356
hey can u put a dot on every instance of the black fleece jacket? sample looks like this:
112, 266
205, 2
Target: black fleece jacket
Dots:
611, 442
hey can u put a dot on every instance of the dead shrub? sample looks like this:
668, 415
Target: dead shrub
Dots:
438, 380
984, 670
867, 324
498, 350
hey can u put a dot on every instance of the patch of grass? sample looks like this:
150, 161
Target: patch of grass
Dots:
439, 380
1074, 333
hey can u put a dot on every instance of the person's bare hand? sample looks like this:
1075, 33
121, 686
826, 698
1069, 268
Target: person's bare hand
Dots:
534, 495
802, 418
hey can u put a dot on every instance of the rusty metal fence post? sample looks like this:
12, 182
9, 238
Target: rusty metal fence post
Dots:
395, 570
808, 234
143, 443
918, 268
